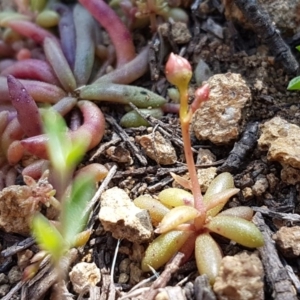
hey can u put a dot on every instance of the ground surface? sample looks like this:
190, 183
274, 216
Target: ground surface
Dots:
237, 50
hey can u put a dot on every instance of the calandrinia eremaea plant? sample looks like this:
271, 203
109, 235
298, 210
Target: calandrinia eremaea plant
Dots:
186, 220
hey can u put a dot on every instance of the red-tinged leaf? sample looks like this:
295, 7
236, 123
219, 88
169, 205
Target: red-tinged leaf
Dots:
27, 111
37, 145
35, 69
221, 183
30, 30
177, 216
118, 32
59, 63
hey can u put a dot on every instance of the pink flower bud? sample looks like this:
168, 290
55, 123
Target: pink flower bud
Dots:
201, 95
178, 71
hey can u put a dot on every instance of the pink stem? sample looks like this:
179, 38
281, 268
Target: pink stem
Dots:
119, 34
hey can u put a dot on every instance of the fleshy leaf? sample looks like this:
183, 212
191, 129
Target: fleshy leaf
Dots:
237, 229
176, 197
244, 212
155, 208
161, 250
221, 183
208, 256
176, 216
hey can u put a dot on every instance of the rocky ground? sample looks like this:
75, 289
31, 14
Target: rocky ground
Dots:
249, 127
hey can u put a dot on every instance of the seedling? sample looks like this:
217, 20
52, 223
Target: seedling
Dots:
185, 220
64, 154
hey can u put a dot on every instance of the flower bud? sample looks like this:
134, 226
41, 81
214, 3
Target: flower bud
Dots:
201, 95
30, 271
178, 71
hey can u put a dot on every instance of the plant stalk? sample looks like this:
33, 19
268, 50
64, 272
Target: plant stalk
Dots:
185, 118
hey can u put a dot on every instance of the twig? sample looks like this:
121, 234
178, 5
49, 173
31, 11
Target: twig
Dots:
241, 149
135, 151
102, 187
203, 289
20, 246
112, 292
261, 21
14, 290
278, 215
165, 276
37, 289
162, 128
276, 275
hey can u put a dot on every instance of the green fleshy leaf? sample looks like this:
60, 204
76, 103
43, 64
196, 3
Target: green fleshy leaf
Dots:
237, 229
294, 84
161, 250
48, 237
298, 48
74, 215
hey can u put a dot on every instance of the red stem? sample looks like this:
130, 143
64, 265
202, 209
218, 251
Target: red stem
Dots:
185, 118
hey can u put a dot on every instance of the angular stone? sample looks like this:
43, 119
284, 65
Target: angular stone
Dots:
288, 240
217, 119
158, 148
122, 218
281, 139
240, 278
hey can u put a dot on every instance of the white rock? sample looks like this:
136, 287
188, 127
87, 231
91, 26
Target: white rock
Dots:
84, 275
122, 218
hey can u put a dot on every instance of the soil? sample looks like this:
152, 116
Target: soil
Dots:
239, 49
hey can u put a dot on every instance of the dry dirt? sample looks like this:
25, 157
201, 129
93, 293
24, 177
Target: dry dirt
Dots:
237, 49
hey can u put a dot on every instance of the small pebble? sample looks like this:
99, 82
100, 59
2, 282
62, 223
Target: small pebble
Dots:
84, 274
14, 275
4, 289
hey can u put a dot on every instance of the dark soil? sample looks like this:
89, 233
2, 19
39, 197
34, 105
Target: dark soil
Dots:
240, 50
